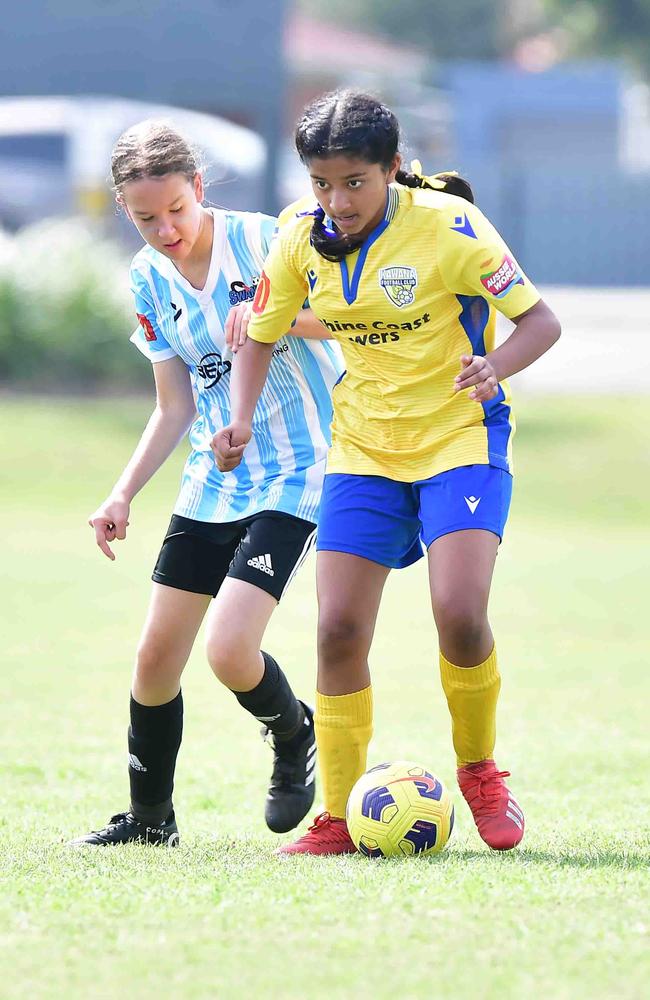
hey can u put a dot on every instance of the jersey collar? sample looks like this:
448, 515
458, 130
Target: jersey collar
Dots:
351, 287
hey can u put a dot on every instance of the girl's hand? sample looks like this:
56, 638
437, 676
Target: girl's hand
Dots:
478, 372
110, 521
237, 324
228, 445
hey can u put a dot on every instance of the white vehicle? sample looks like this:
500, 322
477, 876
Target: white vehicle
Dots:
55, 155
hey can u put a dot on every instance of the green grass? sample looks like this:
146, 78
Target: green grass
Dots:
566, 916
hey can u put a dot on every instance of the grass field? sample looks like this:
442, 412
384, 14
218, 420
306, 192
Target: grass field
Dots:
566, 916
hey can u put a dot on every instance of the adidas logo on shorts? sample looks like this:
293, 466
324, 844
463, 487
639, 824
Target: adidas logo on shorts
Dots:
262, 563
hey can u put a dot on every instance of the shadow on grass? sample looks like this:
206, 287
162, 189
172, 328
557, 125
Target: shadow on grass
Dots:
610, 858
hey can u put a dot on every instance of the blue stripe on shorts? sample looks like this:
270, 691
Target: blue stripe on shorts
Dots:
392, 523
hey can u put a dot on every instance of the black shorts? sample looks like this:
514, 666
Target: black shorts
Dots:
266, 549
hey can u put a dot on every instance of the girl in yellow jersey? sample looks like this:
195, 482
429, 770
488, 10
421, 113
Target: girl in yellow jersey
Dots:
406, 274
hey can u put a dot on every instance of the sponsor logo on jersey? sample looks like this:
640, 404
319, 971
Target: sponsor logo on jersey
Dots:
149, 332
376, 332
241, 292
501, 280
464, 226
399, 284
262, 294
212, 368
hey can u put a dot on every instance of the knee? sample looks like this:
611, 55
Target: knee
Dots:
227, 655
341, 638
156, 673
463, 628
149, 660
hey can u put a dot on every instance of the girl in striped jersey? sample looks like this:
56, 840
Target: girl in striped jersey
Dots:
237, 537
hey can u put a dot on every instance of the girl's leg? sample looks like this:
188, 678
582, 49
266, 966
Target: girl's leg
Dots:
173, 620
156, 710
349, 594
460, 573
235, 629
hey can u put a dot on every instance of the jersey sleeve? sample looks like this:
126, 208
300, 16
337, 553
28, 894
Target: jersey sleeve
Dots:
280, 294
474, 260
147, 336
268, 230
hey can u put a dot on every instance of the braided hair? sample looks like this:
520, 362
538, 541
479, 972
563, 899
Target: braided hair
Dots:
352, 123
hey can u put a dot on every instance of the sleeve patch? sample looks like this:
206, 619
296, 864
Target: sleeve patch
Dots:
501, 280
149, 332
262, 295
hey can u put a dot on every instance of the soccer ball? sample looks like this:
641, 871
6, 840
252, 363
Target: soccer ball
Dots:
398, 810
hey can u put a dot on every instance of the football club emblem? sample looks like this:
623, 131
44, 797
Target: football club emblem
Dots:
399, 284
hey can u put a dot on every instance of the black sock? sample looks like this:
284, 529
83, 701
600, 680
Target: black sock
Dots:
154, 739
274, 703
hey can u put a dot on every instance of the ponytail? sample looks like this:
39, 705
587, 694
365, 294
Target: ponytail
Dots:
448, 183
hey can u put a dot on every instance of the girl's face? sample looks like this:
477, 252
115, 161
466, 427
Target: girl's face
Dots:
166, 211
352, 192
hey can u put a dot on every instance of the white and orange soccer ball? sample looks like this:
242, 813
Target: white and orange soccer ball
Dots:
399, 810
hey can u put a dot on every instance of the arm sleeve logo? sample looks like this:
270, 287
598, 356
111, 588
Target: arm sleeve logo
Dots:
262, 294
149, 332
500, 281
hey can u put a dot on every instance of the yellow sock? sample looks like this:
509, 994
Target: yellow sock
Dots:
472, 694
343, 731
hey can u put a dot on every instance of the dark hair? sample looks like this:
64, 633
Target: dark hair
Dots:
352, 123
152, 148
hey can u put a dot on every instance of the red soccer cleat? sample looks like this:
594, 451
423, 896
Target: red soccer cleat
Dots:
497, 815
327, 835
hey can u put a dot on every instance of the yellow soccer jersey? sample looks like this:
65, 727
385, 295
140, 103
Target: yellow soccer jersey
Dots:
419, 293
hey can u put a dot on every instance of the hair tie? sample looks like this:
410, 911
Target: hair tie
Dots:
431, 182
319, 214
437, 181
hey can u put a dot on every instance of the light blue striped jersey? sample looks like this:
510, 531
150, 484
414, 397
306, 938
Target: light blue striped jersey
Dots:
284, 464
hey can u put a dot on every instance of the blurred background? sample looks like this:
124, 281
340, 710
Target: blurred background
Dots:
543, 104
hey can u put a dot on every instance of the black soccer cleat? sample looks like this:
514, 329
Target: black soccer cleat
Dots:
292, 788
125, 828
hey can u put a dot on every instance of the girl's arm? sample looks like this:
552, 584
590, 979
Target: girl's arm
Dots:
247, 380
306, 325
536, 330
174, 412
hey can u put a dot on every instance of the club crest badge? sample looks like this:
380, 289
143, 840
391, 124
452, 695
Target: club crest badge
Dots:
399, 284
